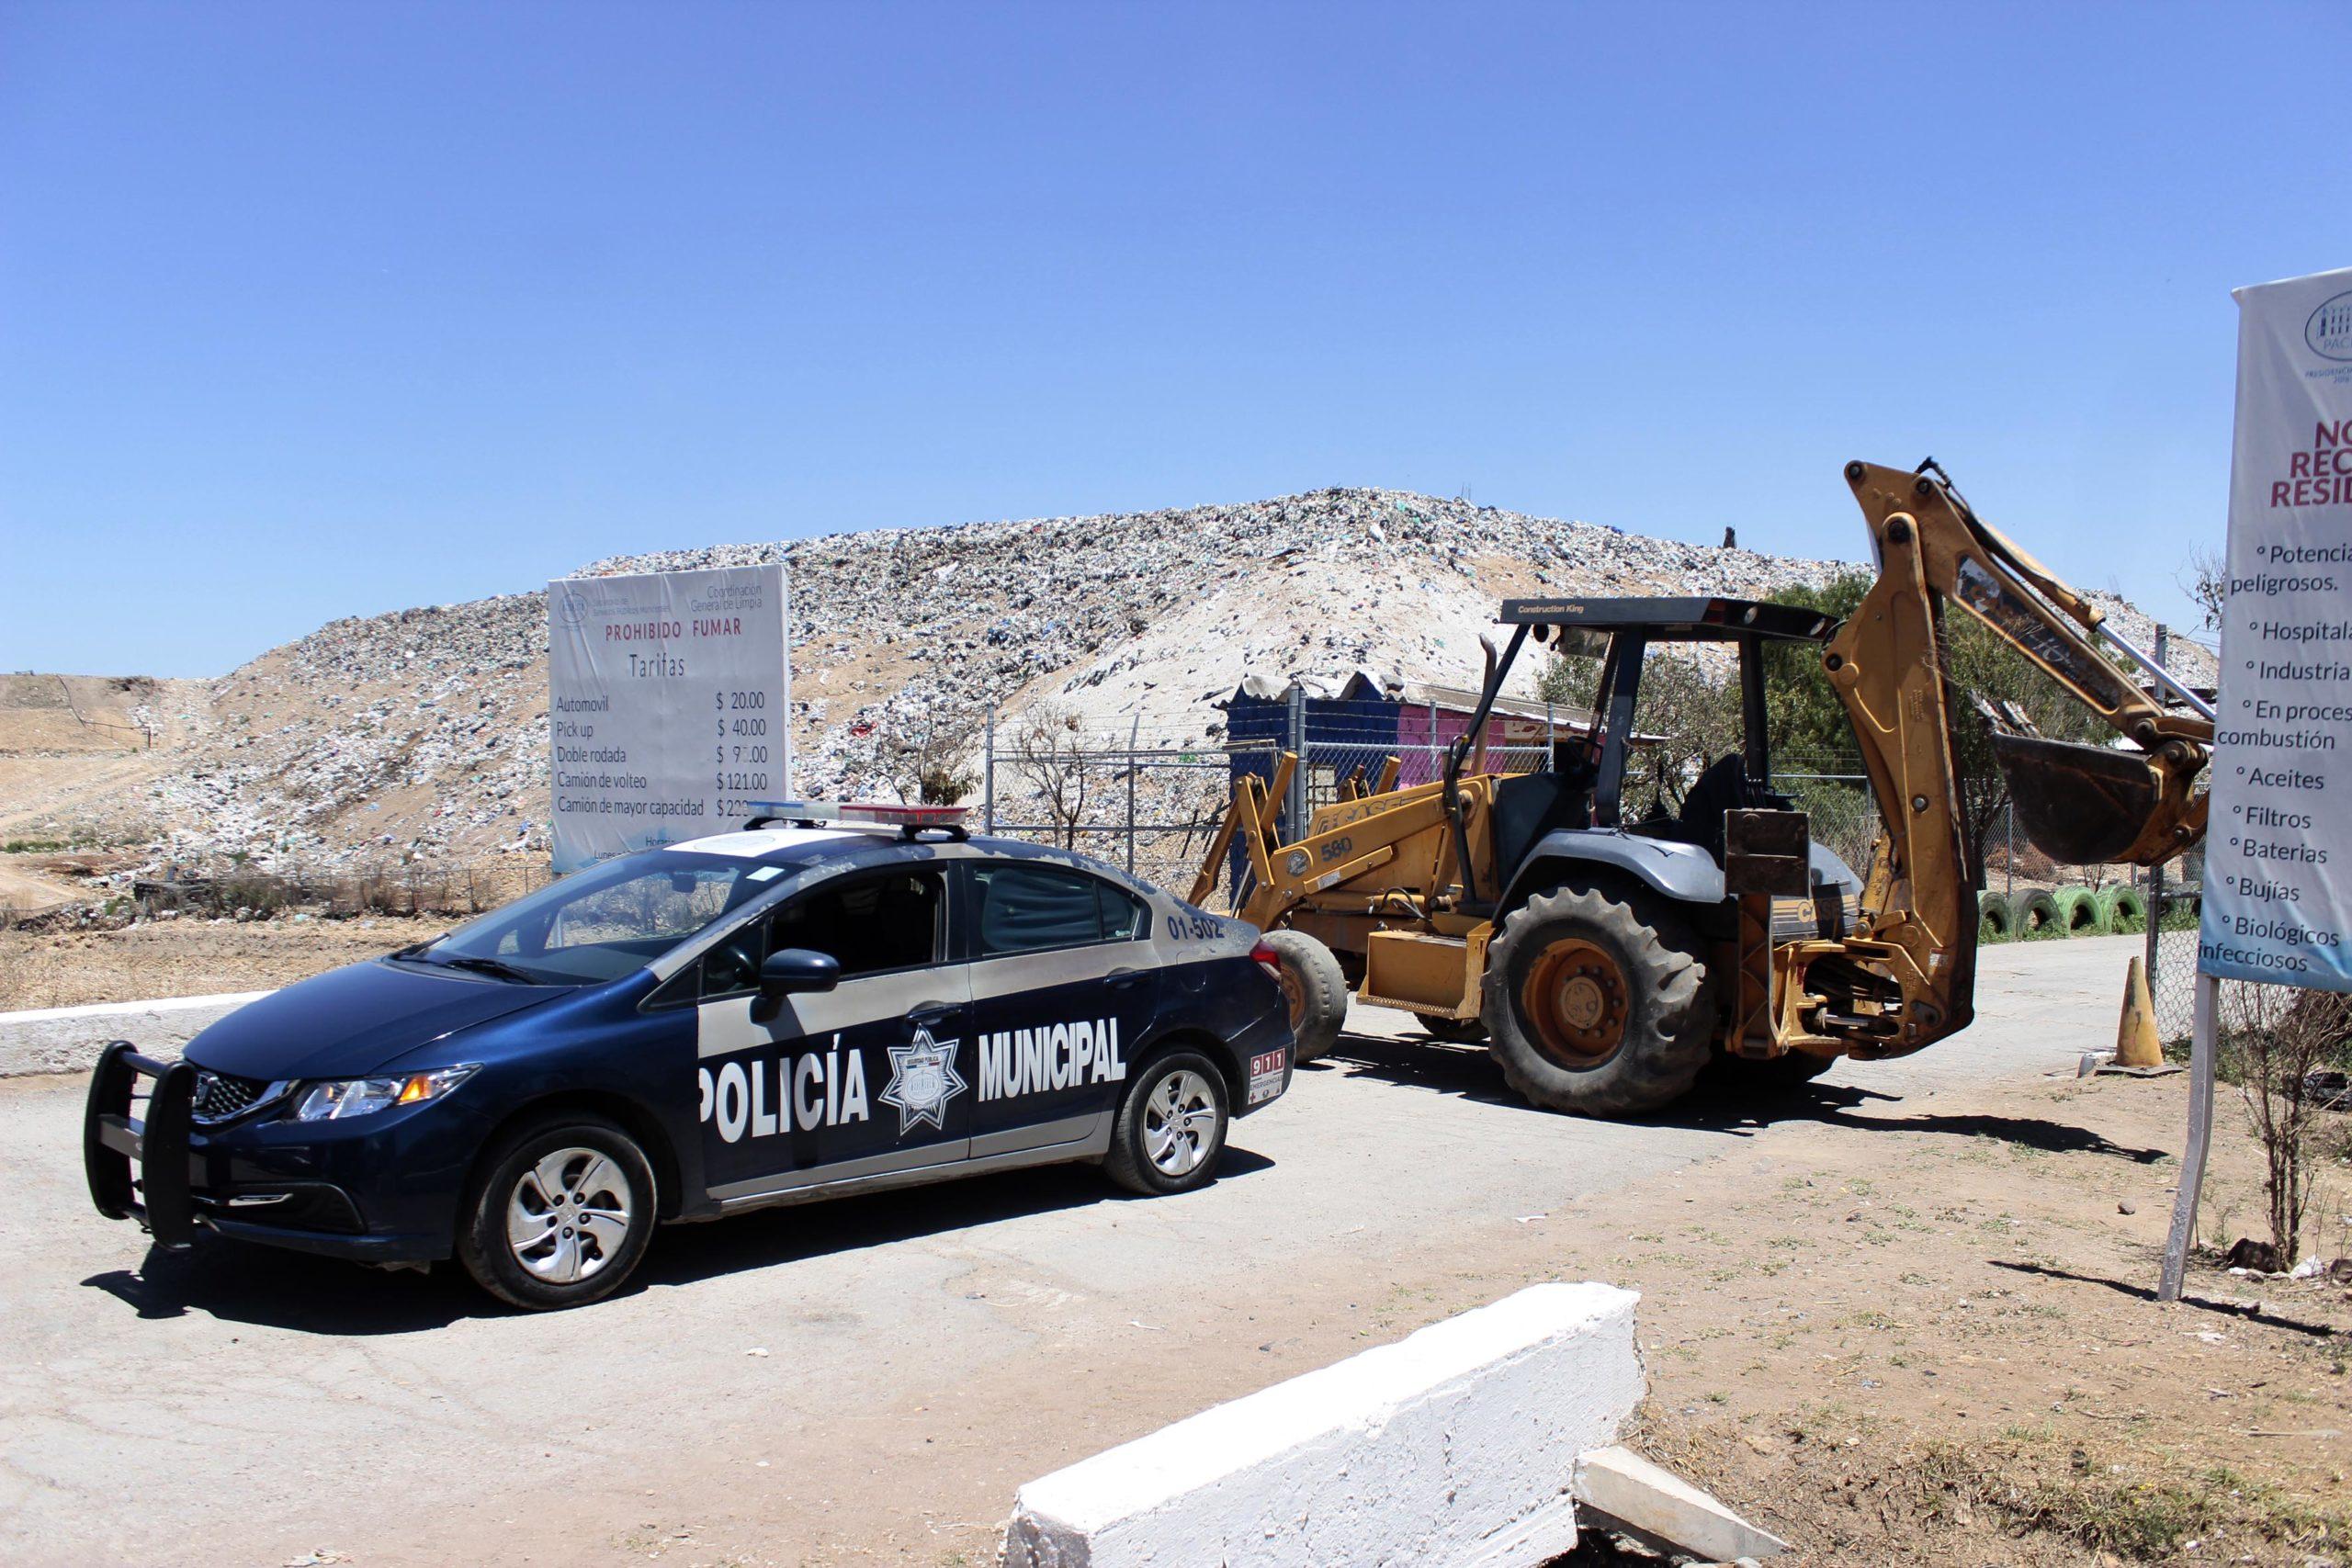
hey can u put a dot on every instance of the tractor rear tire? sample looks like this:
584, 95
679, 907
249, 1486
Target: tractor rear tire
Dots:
1315, 990
1453, 1031
1596, 1005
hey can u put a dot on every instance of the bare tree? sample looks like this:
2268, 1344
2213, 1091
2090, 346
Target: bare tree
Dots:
927, 763
2286, 1035
1048, 755
2206, 578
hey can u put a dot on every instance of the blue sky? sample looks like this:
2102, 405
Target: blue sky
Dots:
311, 310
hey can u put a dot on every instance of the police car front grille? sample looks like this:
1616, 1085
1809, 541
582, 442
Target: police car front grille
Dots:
219, 1096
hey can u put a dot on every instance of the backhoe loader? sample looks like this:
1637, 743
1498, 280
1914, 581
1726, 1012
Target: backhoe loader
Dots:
1609, 960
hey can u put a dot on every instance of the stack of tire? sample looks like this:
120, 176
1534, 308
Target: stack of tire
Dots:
2033, 912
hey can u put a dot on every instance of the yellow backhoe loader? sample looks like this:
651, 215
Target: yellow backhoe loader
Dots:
1609, 960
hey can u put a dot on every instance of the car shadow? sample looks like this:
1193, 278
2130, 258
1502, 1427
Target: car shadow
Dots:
265, 1286
794, 1233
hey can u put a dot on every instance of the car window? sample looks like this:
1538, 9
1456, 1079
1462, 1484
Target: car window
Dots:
732, 965
1029, 908
670, 903
1123, 913
605, 921
868, 923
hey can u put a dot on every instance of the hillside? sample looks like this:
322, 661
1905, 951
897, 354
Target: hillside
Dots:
421, 735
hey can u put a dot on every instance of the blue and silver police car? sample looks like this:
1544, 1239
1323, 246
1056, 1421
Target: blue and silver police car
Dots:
832, 1001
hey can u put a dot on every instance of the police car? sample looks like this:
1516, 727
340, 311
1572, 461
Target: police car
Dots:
832, 1001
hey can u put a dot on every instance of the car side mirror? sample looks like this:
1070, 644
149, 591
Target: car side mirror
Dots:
793, 970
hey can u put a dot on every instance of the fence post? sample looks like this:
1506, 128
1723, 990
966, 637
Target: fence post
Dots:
1135, 728
987, 777
1551, 741
2009, 864
1295, 701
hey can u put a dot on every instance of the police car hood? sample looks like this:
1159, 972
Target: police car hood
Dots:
350, 1021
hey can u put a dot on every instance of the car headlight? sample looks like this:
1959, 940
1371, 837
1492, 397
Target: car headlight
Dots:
343, 1098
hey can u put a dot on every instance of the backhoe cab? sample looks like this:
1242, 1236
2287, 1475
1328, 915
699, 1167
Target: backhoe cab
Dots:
1612, 955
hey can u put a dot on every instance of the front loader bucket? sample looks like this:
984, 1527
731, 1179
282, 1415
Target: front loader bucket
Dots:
2089, 805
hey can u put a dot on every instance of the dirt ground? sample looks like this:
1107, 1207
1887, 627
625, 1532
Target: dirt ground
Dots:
1930, 1338
1903, 1314
1888, 1336
188, 957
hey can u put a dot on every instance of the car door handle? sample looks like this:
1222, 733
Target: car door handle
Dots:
1125, 982
930, 1013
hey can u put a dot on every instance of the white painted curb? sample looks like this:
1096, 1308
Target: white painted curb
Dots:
1456, 1445
67, 1040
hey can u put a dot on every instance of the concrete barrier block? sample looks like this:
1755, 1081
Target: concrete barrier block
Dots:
1456, 1445
1627, 1492
68, 1040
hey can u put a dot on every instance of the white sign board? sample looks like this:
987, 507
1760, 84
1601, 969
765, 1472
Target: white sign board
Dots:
2277, 900
668, 697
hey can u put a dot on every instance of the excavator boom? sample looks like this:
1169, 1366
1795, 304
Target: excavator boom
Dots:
2079, 804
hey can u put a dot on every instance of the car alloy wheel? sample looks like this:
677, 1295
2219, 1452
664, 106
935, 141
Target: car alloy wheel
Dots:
1179, 1124
568, 1216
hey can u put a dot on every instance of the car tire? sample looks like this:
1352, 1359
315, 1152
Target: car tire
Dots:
1596, 1005
1312, 988
571, 1165
1171, 1127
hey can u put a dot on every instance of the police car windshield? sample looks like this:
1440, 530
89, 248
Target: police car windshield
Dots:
604, 922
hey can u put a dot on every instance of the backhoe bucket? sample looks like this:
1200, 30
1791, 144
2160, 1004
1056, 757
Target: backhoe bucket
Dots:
2087, 805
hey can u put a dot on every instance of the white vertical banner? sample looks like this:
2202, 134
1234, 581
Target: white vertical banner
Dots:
669, 706
2278, 899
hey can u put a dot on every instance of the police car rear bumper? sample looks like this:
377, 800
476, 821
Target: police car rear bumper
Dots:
1266, 1051
159, 1170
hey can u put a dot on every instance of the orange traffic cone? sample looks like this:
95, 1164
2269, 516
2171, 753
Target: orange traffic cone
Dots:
2136, 1045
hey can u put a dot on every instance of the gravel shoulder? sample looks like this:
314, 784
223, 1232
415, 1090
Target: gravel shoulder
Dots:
188, 957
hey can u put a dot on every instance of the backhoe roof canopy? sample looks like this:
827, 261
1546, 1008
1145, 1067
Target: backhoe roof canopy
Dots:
1693, 619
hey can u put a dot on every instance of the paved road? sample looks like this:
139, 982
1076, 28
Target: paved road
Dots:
805, 1382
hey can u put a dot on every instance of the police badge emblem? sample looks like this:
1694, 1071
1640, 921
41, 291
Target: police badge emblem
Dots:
922, 1080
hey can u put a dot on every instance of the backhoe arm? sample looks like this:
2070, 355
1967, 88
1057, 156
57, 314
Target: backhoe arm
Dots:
2079, 803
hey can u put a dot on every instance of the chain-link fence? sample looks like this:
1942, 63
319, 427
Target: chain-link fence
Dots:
2175, 903
1149, 795
1145, 795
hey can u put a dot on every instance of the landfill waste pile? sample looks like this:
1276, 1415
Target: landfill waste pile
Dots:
421, 736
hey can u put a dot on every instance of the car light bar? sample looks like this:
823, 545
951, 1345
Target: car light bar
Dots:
906, 819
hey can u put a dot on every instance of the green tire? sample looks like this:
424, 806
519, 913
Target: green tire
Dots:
2127, 909
2080, 913
1996, 918
2037, 914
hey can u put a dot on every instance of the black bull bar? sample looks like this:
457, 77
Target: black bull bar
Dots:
158, 1195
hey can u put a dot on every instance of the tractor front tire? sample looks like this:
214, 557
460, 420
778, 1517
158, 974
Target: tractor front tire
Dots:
1312, 988
1596, 1005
